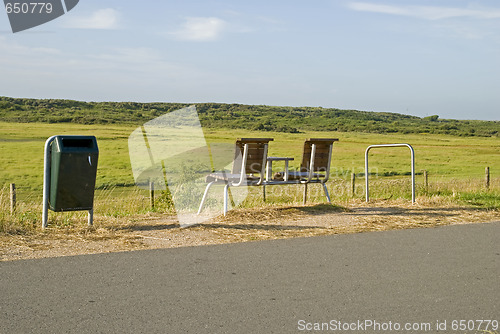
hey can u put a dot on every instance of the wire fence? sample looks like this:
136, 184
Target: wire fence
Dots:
117, 200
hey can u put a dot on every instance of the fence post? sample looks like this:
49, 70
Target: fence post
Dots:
353, 184
152, 194
487, 172
426, 180
305, 193
12, 198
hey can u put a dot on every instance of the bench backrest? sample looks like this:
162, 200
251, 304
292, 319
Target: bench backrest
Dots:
256, 155
322, 156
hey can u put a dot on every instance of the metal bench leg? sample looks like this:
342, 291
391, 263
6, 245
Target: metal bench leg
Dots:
264, 193
326, 192
226, 195
205, 196
231, 198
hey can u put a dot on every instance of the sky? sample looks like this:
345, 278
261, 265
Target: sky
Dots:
415, 57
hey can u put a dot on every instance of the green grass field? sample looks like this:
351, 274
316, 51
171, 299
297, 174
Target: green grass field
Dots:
442, 156
456, 165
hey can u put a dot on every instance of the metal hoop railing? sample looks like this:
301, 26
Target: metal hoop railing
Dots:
412, 168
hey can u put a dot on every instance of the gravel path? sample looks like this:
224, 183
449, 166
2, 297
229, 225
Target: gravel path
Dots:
161, 231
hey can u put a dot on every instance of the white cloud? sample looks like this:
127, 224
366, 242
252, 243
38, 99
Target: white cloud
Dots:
201, 29
426, 12
16, 50
139, 55
101, 19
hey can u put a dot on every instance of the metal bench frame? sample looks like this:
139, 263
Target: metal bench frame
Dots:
310, 175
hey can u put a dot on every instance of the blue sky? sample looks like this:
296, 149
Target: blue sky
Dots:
412, 57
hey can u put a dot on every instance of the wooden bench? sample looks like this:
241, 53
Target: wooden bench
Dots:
253, 167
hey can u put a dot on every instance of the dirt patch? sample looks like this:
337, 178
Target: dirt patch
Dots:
161, 231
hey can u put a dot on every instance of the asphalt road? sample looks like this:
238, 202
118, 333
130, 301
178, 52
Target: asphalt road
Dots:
416, 277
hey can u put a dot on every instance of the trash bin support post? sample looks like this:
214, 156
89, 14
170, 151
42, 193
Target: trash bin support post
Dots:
46, 181
412, 168
91, 217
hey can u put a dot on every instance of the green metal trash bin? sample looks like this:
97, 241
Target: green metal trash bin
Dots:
73, 169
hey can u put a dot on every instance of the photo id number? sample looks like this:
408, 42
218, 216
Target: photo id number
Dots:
28, 7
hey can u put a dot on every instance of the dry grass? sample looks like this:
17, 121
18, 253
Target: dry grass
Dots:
154, 230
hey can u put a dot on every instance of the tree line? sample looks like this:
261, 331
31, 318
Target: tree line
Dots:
240, 116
